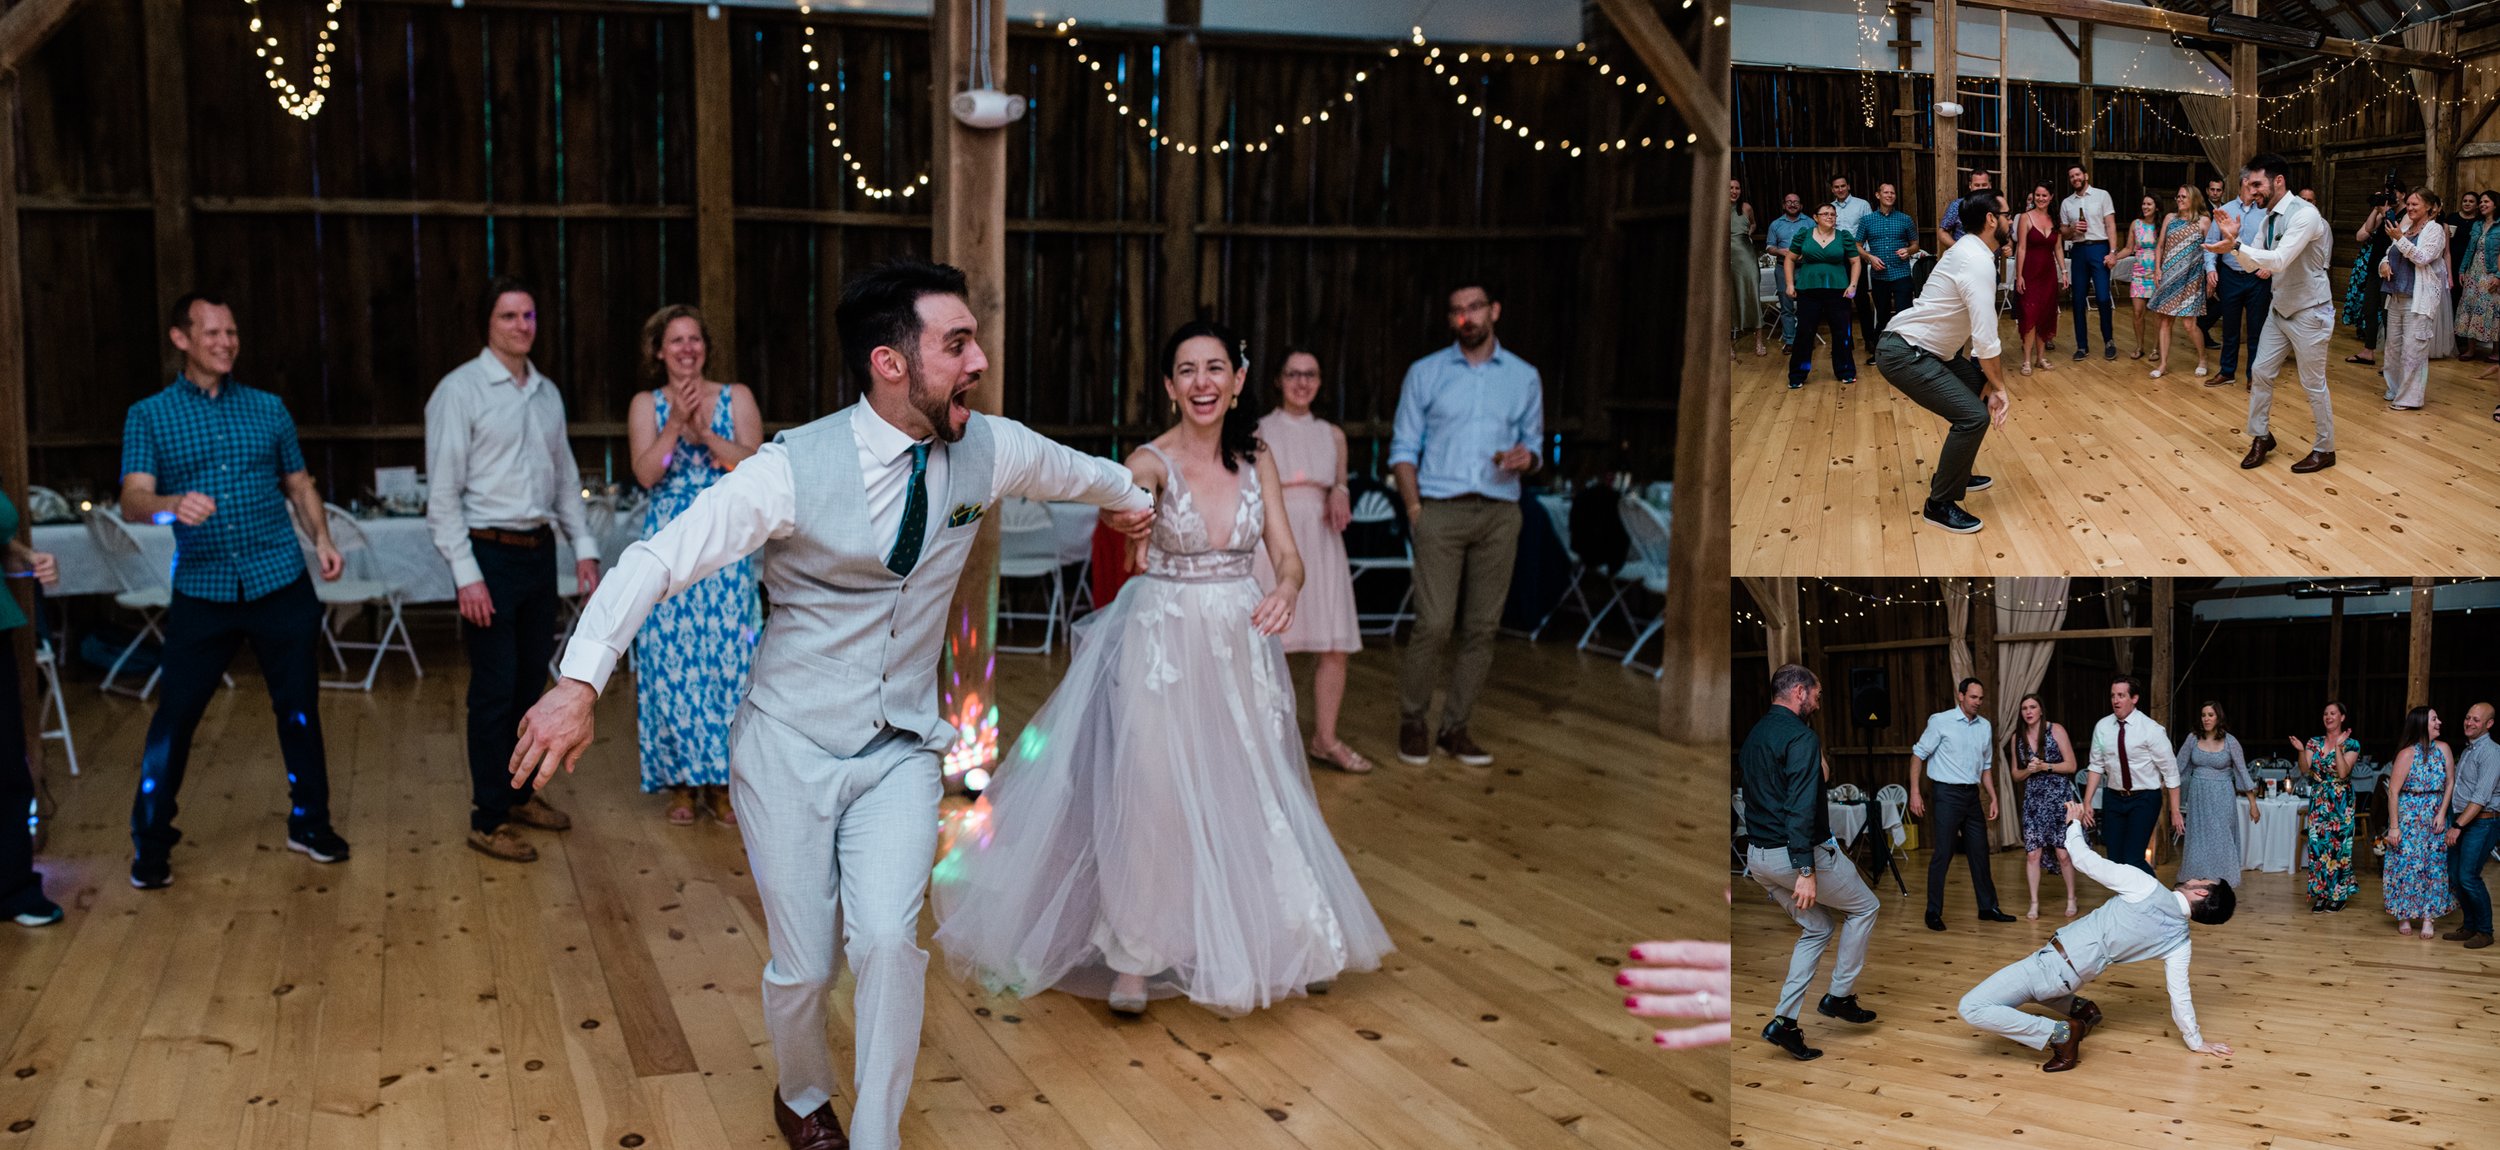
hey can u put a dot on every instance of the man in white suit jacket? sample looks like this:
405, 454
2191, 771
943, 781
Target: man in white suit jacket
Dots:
863, 520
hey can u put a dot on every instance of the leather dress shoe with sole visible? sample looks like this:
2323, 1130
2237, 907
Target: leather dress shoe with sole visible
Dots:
2315, 461
2257, 449
2068, 1054
817, 1131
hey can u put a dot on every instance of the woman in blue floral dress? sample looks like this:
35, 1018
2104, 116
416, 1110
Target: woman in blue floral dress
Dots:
692, 655
2046, 776
2417, 839
2327, 762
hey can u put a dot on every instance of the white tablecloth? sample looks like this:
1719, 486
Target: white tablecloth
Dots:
401, 552
1847, 819
2273, 844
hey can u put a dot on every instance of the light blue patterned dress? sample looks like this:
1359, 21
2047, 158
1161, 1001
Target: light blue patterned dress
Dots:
692, 655
2417, 869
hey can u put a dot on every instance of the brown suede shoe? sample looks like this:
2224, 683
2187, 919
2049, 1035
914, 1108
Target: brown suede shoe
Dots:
502, 844
1464, 749
2460, 934
2068, 1054
536, 813
2478, 942
2257, 449
818, 1131
2315, 461
1414, 743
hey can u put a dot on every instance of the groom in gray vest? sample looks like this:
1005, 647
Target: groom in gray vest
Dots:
2146, 920
863, 520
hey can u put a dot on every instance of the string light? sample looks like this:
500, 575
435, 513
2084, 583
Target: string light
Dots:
1430, 58
1129, 109
303, 105
851, 165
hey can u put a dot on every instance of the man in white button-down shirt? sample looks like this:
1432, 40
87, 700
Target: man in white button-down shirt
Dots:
500, 479
2145, 921
861, 522
1942, 350
2132, 761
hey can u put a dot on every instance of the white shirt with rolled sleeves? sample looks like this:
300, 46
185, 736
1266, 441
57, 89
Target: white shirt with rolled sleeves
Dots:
2150, 761
1958, 307
756, 503
496, 455
2134, 886
2297, 256
2092, 207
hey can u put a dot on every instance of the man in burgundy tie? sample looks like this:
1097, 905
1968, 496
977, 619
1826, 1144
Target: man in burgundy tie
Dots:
2132, 760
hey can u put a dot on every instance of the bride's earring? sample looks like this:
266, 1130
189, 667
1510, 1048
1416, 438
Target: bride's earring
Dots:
1235, 403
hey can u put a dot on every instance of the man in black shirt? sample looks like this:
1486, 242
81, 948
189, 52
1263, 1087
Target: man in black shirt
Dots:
1795, 858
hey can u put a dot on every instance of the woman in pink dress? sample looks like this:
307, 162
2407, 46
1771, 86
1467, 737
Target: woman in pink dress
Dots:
1310, 458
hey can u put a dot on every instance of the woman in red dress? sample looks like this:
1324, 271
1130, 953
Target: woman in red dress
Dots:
2039, 277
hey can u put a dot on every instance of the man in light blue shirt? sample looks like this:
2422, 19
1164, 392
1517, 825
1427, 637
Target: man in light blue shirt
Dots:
2240, 296
1953, 754
1468, 424
1781, 236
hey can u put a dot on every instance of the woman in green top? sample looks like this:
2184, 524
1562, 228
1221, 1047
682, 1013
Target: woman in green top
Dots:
1822, 273
21, 889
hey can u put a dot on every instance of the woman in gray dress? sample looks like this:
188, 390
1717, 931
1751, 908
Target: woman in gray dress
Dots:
1744, 267
2215, 773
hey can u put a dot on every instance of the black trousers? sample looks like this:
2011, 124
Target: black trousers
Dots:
507, 668
1821, 307
2242, 300
1891, 297
20, 886
201, 638
2128, 819
1960, 822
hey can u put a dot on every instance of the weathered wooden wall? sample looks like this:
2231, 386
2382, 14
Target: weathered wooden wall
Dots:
557, 141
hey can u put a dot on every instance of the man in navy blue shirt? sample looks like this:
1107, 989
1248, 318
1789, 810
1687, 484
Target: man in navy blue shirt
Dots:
219, 462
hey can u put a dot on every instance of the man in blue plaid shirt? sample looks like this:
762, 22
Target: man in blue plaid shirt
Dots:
219, 462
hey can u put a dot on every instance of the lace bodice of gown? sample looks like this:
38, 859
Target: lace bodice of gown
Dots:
1182, 545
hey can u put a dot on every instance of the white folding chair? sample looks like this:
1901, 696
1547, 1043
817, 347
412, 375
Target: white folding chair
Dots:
1076, 549
145, 588
58, 707
1644, 566
1558, 513
360, 586
1028, 548
1374, 507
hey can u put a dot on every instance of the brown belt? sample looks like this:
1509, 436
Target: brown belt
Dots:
532, 539
2061, 953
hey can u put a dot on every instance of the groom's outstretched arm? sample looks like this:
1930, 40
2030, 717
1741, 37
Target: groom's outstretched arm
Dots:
1029, 465
2131, 883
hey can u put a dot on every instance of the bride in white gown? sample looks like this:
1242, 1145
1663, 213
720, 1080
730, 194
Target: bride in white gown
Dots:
1154, 832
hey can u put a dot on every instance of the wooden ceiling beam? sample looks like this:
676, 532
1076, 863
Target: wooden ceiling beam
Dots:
27, 26
2121, 15
1705, 114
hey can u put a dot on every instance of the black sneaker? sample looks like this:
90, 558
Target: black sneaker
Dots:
1845, 1008
1952, 518
1978, 483
44, 912
324, 844
1783, 1033
2083, 353
151, 874
2110, 352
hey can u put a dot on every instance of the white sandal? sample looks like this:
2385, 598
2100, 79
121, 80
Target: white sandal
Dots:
2157, 372
2200, 371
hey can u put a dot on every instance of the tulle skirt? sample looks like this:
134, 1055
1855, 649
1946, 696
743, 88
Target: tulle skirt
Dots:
1157, 818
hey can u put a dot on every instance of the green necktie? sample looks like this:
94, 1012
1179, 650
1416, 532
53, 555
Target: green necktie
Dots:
906, 551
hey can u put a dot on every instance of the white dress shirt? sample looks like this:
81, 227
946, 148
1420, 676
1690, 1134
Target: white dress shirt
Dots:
2149, 759
2134, 885
756, 503
1957, 307
2297, 254
496, 456
2093, 207
2427, 250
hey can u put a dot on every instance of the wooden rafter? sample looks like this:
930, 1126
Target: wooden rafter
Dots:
1705, 115
27, 26
2117, 14
2071, 46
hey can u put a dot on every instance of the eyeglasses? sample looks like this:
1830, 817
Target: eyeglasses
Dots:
1470, 308
1296, 374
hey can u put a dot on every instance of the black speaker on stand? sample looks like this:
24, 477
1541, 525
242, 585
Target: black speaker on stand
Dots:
1870, 710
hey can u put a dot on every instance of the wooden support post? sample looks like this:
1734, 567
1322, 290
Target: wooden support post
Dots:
1693, 694
1943, 58
2243, 92
1905, 118
13, 422
169, 152
2165, 692
2335, 649
715, 225
1182, 209
2418, 653
968, 229
2088, 100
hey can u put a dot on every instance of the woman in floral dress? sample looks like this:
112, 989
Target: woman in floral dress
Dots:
2046, 775
2327, 761
2417, 840
2478, 272
2143, 241
692, 655
2179, 276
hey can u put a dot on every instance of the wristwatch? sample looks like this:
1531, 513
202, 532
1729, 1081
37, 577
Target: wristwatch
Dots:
1805, 872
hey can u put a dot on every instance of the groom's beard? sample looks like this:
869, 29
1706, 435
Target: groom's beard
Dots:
935, 404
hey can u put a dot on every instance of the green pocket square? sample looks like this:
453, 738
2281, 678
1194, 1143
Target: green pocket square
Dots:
964, 513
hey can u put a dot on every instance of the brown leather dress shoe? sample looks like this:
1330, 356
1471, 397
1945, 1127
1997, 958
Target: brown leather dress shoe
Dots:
2257, 449
2316, 461
2085, 1016
1414, 743
2478, 942
2068, 1054
1464, 749
536, 813
502, 844
818, 1131
2460, 934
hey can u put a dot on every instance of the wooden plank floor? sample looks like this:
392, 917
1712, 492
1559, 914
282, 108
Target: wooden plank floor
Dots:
421, 995
2101, 470
2342, 1032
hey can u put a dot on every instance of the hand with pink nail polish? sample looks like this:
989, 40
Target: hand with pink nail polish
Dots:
1685, 979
